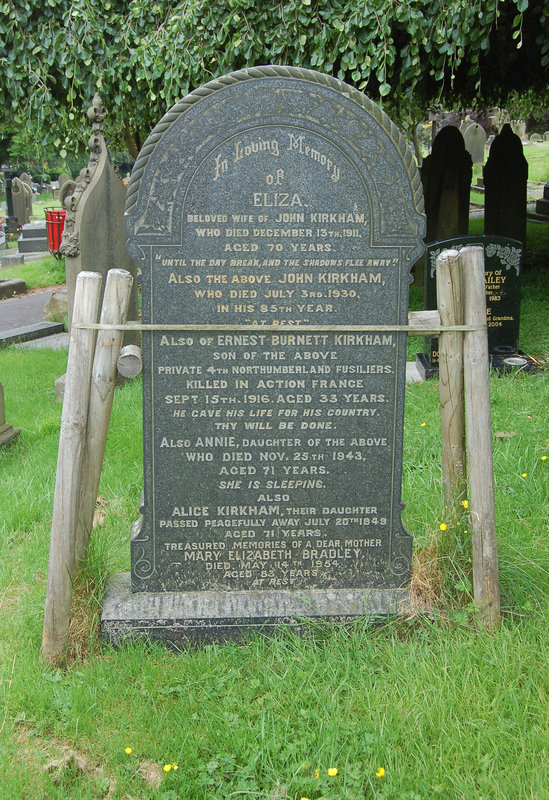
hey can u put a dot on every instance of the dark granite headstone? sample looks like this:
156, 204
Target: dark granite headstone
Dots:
282, 200
502, 269
8, 178
446, 177
505, 179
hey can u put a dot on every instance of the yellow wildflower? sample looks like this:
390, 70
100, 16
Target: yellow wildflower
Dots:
128, 751
380, 772
465, 503
174, 767
317, 773
443, 526
167, 767
544, 458
423, 424
332, 772
524, 475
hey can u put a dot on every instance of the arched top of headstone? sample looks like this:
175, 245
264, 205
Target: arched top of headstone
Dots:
475, 141
63, 178
292, 104
507, 145
448, 138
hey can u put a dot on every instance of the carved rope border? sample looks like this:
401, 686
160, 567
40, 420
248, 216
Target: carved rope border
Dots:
275, 72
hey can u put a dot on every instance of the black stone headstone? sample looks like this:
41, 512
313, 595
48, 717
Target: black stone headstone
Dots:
446, 178
271, 211
502, 269
505, 180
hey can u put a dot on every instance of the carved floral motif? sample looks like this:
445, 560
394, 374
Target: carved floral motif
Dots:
70, 242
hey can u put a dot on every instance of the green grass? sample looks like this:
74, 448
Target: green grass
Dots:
448, 710
537, 156
47, 271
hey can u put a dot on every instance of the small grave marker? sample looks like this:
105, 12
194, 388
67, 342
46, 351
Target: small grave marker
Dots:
502, 267
475, 142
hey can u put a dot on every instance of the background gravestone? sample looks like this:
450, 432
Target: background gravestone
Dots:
61, 181
503, 275
505, 180
7, 432
20, 193
93, 236
272, 454
26, 179
446, 178
11, 224
475, 141
542, 205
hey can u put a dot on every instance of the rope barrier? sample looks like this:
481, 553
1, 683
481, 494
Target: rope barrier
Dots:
136, 326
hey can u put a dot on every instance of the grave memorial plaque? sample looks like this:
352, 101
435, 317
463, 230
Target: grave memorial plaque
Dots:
502, 268
273, 211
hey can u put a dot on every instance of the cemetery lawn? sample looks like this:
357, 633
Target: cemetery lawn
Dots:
45, 272
431, 707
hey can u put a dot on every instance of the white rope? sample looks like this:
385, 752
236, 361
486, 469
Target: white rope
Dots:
136, 326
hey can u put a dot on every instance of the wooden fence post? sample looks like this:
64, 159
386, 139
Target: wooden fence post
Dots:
452, 405
479, 439
103, 381
69, 464
130, 361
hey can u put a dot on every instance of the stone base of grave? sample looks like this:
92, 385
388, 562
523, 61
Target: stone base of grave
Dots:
12, 286
177, 619
29, 332
425, 368
8, 433
33, 238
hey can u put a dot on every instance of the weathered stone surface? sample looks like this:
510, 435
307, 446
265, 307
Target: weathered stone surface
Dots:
33, 238
505, 180
7, 431
93, 236
178, 618
475, 142
11, 286
273, 455
28, 332
56, 309
59, 387
20, 193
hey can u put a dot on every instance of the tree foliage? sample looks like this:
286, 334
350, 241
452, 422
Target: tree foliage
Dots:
142, 56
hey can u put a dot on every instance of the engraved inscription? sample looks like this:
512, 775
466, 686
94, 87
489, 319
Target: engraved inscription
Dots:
273, 453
